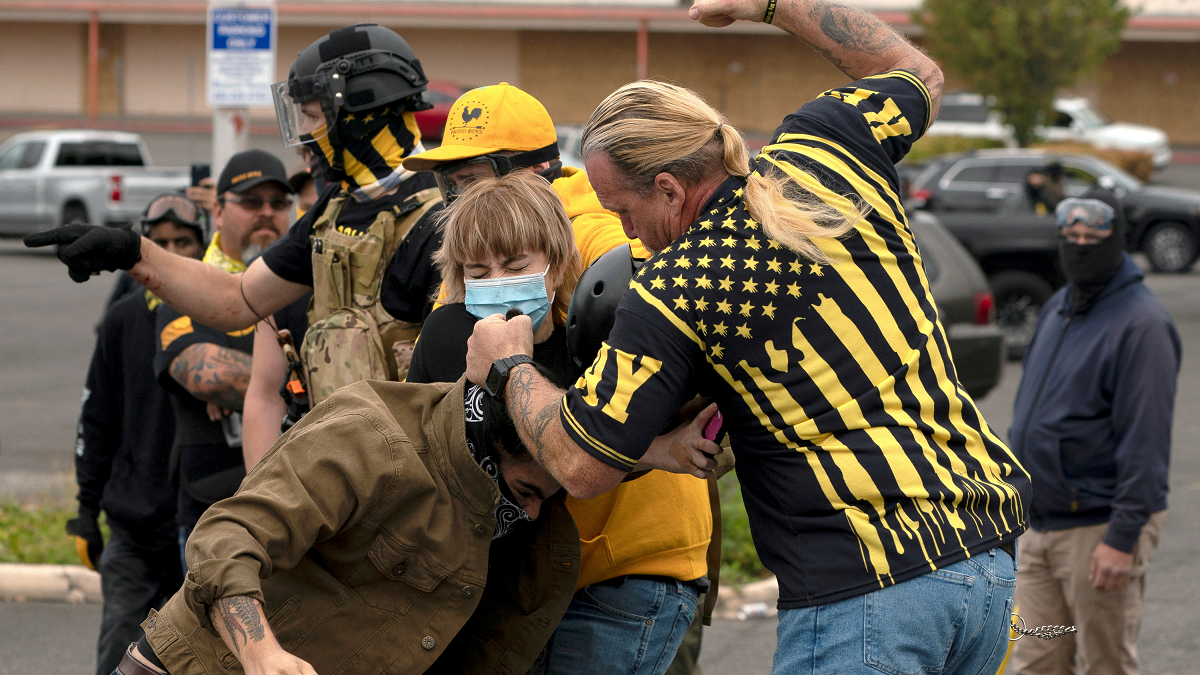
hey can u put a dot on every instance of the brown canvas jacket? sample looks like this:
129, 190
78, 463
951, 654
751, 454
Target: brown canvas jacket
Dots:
366, 531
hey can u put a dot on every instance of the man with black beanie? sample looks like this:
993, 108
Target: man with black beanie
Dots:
1092, 425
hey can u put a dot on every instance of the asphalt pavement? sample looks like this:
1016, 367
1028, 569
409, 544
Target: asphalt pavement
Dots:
46, 340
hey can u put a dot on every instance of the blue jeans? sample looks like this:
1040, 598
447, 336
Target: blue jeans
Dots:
627, 629
950, 621
137, 574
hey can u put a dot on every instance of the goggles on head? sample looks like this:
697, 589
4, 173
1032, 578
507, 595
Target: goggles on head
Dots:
1090, 212
177, 209
454, 177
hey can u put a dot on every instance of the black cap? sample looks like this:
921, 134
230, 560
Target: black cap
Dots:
299, 179
249, 169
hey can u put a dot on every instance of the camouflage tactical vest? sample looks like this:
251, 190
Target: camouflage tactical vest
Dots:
350, 336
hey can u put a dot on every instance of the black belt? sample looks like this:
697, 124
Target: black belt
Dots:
1009, 547
700, 585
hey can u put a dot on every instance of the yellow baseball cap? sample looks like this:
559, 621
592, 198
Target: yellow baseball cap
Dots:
491, 119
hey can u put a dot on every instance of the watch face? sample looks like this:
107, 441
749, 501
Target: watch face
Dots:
495, 379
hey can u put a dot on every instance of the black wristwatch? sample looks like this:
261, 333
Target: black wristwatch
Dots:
498, 376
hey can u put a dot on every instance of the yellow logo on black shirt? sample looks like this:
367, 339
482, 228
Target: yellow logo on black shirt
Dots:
175, 330
888, 121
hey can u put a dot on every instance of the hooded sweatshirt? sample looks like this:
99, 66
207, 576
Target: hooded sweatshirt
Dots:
1092, 416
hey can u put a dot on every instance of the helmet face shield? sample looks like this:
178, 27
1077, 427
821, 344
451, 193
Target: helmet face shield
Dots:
300, 120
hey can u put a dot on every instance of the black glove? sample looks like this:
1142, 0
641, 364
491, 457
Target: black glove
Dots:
89, 543
89, 249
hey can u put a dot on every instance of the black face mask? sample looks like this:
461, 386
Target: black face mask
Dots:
1089, 267
487, 426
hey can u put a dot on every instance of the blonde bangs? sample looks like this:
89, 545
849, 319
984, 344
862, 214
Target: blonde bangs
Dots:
505, 217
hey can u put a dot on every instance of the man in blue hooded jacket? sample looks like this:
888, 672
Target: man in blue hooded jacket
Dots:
1092, 425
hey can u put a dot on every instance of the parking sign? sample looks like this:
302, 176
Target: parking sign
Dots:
241, 54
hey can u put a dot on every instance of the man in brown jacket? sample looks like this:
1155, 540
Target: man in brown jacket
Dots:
398, 528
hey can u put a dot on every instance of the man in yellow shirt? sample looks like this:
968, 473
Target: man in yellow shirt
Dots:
644, 543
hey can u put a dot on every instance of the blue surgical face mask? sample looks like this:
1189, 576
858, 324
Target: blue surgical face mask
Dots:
526, 292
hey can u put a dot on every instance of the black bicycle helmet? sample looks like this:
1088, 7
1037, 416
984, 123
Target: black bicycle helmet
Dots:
593, 309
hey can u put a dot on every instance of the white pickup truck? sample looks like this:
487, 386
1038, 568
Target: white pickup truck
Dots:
1075, 120
50, 178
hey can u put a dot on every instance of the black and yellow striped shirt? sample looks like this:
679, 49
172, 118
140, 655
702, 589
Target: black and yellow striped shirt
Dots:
863, 462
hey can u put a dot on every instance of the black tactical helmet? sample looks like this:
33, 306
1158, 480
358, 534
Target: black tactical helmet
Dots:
593, 309
359, 67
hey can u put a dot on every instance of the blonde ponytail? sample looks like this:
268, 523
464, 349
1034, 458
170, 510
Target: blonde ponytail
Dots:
646, 128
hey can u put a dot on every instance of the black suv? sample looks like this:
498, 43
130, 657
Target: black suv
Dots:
980, 197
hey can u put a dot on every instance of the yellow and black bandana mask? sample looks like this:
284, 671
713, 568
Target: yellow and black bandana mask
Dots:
372, 144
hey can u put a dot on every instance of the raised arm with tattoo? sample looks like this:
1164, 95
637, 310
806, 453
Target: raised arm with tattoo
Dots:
243, 627
855, 41
212, 373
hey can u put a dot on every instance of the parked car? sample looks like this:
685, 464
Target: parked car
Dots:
50, 178
570, 144
980, 197
442, 95
964, 303
1076, 120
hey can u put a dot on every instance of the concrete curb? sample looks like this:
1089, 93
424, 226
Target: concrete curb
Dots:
73, 584
753, 601
77, 584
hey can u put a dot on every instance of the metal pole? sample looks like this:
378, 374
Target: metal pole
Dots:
643, 49
93, 90
230, 135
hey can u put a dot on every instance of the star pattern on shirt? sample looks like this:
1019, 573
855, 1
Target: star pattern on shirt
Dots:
729, 296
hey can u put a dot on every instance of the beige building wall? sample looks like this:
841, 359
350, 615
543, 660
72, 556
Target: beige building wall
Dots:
755, 80
44, 66
1154, 83
164, 70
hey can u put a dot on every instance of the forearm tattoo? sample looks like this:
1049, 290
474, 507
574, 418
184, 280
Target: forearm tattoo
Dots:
853, 30
215, 374
531, 418
241, 618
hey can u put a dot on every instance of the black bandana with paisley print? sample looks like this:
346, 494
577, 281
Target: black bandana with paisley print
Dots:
482, 437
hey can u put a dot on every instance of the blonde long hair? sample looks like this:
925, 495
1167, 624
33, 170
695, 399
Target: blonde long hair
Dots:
507, 216
647, 127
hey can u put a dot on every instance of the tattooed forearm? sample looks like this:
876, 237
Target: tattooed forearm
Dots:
242, 619
531, 413
214, 374
852, 28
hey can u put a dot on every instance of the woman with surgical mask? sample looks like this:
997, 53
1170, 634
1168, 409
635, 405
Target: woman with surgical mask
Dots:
509, 247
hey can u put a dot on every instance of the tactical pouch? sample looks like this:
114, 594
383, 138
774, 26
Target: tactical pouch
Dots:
351, 337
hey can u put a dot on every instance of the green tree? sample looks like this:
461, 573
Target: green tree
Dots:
1022, 52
